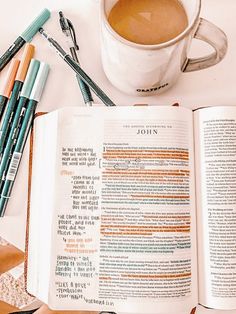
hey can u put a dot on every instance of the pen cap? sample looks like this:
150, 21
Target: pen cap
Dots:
38, 22
40, 81
25, 61
30, 78
10, 78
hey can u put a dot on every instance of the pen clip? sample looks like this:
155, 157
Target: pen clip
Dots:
68, 29
73, 35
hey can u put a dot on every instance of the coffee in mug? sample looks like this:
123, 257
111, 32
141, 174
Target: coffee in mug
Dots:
145, 43
148, 22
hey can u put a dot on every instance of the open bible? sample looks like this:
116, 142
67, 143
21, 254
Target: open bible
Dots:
133, 209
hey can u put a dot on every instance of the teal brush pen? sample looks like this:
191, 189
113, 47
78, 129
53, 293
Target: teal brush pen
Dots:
12, 103
17, 120
35, 97
26, 36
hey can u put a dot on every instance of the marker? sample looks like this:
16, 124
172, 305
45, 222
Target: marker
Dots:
11, 107
6, 89
26, 36
18, 117
35, 97
69, 31
78, 70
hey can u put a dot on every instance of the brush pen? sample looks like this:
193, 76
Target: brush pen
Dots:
6, 89
68, 29
18, 118
26, 36
78, 70
12, 103
35, 97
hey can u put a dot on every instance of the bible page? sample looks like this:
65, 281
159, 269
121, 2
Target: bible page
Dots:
215, 151
123, 236
41, 205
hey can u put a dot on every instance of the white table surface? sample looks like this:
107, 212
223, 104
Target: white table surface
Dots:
213, 86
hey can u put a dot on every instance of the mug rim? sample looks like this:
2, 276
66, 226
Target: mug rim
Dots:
155, 46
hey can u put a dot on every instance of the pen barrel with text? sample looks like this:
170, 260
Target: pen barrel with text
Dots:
35, 96
9, 114
7, 154
17, 155
18, 119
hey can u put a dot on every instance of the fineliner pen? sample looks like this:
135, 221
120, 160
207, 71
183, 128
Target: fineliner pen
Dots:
12, 103
26, 36
6, 89
35, 97
18, 118
77, 69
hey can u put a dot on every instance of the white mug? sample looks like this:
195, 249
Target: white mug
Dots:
145, 70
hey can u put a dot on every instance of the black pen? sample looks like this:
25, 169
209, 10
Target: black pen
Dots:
26, 36
68, 29
78, 70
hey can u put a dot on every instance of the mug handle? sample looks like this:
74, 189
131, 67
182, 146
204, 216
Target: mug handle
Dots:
216, 38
